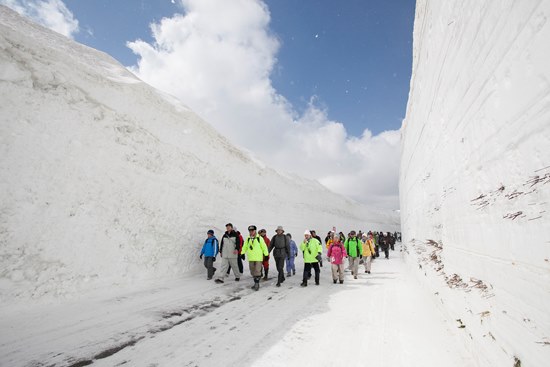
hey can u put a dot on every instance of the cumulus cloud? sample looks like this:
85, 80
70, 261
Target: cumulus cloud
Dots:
52, 14
217, 57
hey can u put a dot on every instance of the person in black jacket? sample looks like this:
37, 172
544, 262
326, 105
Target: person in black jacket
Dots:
280, 244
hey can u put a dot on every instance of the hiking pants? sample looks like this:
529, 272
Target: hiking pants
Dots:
307, 271
229, 263
209, 265
255, 268
367, 262
337, 271
280, 264
290, 264
354, 265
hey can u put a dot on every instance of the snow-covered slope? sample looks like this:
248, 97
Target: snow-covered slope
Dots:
105, 181
475, 172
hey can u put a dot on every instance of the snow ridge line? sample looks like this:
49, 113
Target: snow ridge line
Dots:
188, 313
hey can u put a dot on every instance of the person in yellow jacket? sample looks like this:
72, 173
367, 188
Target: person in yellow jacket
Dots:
255, 249
368, 251
311, 247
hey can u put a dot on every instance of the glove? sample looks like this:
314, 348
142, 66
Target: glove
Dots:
200, 257
360, 256
242, 257
296, 255
266, 258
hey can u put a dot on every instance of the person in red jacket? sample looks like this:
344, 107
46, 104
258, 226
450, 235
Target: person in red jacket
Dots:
265, 263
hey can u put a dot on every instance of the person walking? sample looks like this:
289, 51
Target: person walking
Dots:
320, 254
240, 257
255, 249
209, 251
280, 246
384, 244
354, 250
265, 261
229, 251
311, 247
290, 266
336, 254
368, 251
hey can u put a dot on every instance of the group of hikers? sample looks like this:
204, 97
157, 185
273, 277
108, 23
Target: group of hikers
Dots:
233, 250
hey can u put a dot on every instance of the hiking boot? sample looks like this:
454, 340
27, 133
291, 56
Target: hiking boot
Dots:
355, 277
334, 280
366, 271
288, 274
341, 282
219, 281
208, 278
256, 286
237, 279
304, 284
293, 272
317, 283
278, 285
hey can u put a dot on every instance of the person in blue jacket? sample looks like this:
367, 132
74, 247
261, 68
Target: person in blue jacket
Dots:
210, 251
290, 266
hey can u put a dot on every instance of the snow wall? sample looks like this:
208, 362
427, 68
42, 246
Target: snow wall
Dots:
107, 182
475, 173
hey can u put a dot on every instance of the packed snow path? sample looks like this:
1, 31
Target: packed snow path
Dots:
381, 319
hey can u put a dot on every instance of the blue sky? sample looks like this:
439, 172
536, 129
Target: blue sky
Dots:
354, 55
313, 88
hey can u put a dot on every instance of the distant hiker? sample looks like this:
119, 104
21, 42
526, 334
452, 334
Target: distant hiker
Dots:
392, 241
329, 239
265, 261
342, 237
311, 248
384, 244
320, 254
353, 248
256, 250
368, 251
280, 245
336, 254
377, 243
290, 266
209, 251
229, 250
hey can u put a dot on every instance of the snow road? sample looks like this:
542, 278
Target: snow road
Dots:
381, 319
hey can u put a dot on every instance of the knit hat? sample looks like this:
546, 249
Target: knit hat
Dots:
210, 231
307, 232
280, 228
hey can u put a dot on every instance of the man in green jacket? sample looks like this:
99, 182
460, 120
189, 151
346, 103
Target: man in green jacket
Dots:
354, 250
255, 249
311, 247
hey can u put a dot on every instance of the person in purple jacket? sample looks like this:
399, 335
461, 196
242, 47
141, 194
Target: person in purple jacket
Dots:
290, 260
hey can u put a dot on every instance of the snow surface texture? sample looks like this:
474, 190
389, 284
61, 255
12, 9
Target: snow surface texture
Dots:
383, 319
475, 172
106, 181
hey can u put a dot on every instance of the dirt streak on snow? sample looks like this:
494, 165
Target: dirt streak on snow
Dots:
198, 322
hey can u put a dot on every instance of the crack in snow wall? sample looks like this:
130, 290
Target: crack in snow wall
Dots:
475, 172
106, 181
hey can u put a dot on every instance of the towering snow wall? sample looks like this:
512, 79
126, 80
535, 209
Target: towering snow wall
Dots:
475, 172
105, 181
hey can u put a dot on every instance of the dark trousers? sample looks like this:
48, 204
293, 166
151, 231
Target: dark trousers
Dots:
387, 252
280, 264
209, 265
307, 271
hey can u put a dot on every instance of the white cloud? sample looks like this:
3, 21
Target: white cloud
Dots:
52, 14
218, 57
